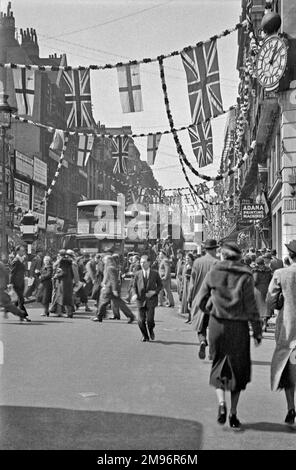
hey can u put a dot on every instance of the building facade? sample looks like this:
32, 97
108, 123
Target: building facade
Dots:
269, 175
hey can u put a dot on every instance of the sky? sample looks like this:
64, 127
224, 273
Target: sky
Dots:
109, 31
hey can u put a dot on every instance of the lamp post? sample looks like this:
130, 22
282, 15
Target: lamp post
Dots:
5, 122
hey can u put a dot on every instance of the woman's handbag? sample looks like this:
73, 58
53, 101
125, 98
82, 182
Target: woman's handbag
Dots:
279, 301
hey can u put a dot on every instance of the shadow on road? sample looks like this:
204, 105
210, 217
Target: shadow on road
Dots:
269, 427
168, 343
65, 429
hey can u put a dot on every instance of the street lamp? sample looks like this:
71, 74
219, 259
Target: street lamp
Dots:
5, 122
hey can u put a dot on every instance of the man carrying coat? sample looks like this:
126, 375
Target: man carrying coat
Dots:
146, 287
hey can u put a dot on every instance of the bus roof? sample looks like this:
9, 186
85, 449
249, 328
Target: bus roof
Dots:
96, 202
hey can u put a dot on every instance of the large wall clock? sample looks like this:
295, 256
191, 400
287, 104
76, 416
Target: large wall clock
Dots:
271, 62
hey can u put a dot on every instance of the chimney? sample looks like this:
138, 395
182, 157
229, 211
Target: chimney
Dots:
7, 29
30, 42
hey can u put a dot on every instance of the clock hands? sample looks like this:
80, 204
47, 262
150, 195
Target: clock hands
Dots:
274, 52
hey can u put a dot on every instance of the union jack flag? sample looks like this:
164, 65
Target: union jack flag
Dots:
202, 143
78, 98
202, 71
120, 146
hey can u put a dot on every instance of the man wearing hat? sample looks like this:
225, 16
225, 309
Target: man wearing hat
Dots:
200, 268
275, 263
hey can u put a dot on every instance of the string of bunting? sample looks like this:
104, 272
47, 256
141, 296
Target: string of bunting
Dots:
110, 136
179, 148
132, 186
66, 68
57, 173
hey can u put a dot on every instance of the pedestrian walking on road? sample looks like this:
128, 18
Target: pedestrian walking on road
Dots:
34, 275
164, 271
5, 299
45, 286
200, 268
262, 277
17, 278
63, 278
227, 293
187, 269
147, 285
282, 296
179, 272
110, 292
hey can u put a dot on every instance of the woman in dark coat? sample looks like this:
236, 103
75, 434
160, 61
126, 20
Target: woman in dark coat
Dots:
262, 277
227, 294
45, 288
64, 284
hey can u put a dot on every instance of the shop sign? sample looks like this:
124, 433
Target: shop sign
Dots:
21, 199
252, 212
40, 171
39, 207
23, 164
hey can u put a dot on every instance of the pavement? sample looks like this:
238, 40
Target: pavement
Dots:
75, 384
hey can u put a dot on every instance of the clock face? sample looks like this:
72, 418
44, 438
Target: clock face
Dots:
271, 62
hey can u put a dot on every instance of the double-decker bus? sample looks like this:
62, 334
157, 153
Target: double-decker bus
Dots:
100, 227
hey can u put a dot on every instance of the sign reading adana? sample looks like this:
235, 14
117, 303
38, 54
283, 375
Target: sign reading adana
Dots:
251, 212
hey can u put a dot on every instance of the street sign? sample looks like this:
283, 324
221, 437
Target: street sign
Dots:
252, 212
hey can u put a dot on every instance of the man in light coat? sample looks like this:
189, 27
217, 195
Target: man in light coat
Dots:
283, 363
200, 268
164, 272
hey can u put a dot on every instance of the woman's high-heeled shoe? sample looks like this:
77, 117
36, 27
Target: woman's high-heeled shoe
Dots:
290, 418
222, 413
234, 422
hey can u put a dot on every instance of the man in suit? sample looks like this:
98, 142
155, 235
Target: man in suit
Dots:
111, 292
147, 285
200, 268
17, 277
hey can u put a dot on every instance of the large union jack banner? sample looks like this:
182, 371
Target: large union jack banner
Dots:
78, 98
120, 146
202, 143
202, 71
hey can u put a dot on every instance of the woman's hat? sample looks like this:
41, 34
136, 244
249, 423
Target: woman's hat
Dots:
260, 260
210, 244
232, 246
291, 246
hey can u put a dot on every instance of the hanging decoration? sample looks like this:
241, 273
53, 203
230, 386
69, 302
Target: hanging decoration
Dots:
56, 68
24, 86
58, 170
120, 147
78, 98
202, 143
103, 134
179, 148
152, 147
202, 72
58, 140
129, 83
85, 146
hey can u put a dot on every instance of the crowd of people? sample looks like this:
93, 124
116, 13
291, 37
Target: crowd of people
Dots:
223, 291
